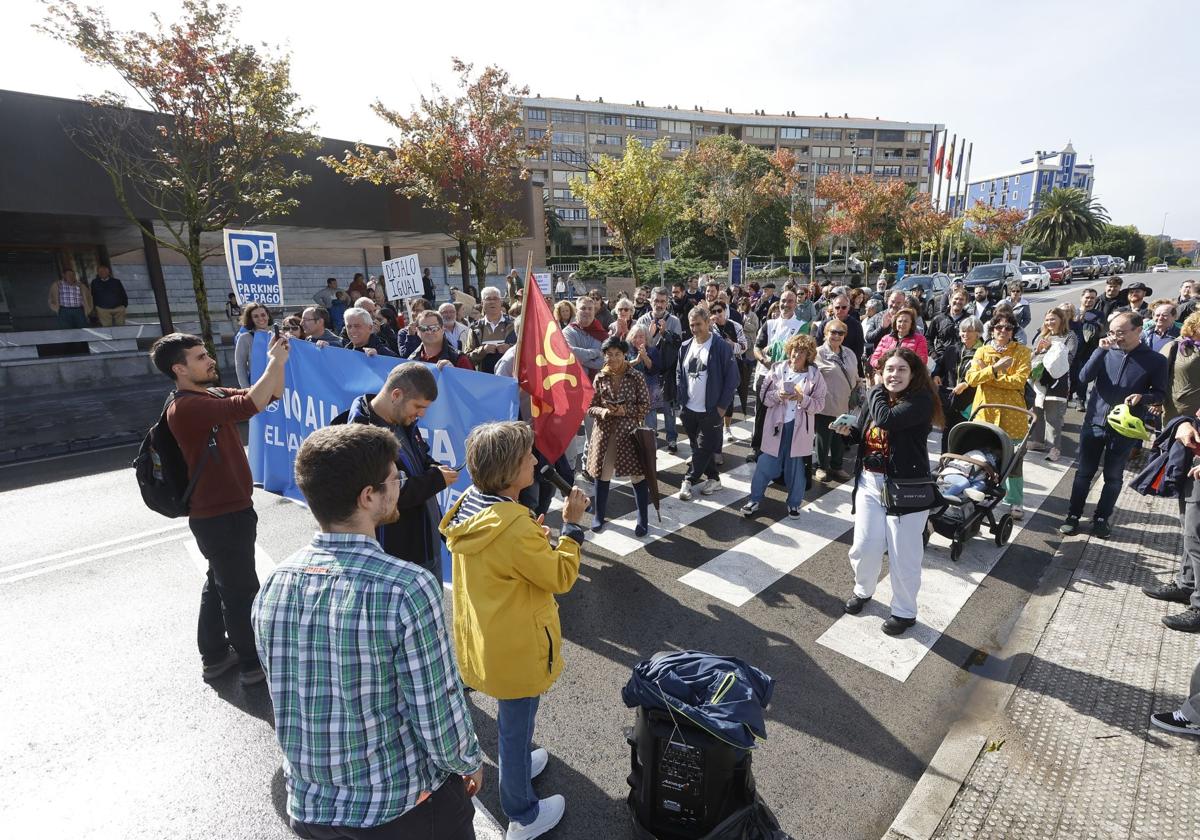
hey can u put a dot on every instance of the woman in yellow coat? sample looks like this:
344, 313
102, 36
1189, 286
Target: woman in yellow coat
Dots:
998, 373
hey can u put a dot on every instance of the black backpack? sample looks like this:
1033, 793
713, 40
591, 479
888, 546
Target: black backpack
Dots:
162, 471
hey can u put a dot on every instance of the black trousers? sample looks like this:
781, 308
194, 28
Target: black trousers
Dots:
446, 815
704, 435
227, 543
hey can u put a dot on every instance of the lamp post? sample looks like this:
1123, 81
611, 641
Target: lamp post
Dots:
1162, 234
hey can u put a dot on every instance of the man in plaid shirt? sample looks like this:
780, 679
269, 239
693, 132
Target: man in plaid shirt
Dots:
376, 733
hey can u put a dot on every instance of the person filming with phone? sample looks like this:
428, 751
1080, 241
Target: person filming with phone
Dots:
413, 534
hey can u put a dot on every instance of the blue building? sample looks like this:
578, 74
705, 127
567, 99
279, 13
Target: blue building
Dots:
1024, 186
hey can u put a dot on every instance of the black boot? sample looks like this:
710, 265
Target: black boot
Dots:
641, 493
601, 505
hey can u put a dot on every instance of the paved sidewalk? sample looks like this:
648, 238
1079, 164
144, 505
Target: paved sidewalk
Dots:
1073, 755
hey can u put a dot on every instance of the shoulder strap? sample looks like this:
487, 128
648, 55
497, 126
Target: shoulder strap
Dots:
210, 448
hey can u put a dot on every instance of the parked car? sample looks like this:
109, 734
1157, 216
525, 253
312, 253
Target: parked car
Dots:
933, 284
839, 268
1060, 270
1122, 266
1107, 266
1161, 268
995, 276
1034, 277
1085, 267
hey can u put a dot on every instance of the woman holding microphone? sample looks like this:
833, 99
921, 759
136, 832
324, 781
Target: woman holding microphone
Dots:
506, 631
891, 429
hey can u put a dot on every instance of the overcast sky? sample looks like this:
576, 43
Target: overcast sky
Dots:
1116, 79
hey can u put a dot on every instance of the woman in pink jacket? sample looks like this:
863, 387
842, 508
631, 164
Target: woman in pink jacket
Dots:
904, 334
793, 394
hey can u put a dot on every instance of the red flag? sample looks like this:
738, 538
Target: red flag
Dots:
559, 388
937, 161
950, 159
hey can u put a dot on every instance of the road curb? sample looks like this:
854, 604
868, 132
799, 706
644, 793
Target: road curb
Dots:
938, 786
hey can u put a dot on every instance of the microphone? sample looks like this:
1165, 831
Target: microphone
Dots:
548, 473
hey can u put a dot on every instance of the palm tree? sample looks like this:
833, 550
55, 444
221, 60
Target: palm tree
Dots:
1065, 218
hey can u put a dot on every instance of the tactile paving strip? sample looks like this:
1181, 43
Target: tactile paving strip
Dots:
1079, 759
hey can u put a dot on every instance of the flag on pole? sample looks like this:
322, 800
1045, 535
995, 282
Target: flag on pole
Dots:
937, 161
558, 387
950, 158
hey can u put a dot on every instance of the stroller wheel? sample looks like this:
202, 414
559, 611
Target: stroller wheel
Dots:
1004, 529
956, 550
926, 534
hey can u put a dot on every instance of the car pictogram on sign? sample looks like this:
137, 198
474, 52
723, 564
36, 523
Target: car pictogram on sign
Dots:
264, 270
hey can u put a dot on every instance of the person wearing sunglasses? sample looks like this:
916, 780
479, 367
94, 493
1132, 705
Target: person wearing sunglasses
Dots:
434, 347
838, 364
998, 374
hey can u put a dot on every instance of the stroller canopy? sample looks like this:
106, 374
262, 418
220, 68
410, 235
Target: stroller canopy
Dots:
975, 434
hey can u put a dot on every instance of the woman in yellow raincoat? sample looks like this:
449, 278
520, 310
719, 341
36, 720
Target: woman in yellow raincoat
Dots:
998, 373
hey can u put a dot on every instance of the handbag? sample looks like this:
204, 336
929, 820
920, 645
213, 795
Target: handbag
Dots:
902, 496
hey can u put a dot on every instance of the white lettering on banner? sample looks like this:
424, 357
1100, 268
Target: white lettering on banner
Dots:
402, 278
271, 437
311, 412
441, 448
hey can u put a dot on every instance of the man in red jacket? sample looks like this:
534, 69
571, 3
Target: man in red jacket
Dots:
222, 514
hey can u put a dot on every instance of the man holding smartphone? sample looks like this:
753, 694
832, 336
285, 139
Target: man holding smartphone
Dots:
412, 534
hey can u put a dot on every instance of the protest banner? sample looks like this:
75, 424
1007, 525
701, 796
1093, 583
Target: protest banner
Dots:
252, 258
320, 383
402, 278
544, 281
619, 287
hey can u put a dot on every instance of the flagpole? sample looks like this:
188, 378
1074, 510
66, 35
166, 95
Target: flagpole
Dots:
524, 309
937, 167
950, 254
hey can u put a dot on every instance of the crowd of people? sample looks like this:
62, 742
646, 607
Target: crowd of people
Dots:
828, 375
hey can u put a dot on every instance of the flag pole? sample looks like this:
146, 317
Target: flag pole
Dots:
524, 312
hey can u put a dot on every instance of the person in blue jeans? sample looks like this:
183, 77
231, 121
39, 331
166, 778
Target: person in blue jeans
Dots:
1121, 370
793, 395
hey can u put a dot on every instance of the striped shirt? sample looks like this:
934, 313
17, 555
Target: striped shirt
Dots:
475, 500
369, 708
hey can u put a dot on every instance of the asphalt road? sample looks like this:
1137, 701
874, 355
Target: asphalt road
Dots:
108, 730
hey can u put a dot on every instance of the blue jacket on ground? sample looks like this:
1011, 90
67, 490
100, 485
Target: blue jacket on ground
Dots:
723, 373
1166, 471
720, 694
1118, 374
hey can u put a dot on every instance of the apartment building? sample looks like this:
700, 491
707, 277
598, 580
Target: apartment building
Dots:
583, 130
1024, 186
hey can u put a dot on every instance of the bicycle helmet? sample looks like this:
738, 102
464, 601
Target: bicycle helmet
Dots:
1122, 421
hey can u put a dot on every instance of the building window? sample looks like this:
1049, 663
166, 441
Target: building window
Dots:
886, 136
536, 133
825, 168
538, 175
890, 171
913, 136
564, 194
863, 151
825, 151
563, 176
910, 171
679, 145
889, 154
676, 126
645, 123
605, 139
535, 114
566, 117
860, 134
706, 130
827, 134
539, 156
802, 167
912, 154
793, 134
570, 138
572, 214
862, 169
759, 132
565, 156
611, 119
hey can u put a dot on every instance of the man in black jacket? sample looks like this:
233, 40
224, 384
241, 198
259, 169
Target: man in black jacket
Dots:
413, 535
943, 330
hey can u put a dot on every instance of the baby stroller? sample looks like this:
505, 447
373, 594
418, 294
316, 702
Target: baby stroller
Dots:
960, 521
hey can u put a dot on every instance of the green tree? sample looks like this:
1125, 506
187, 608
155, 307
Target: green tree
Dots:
1119, 241
1184, 262
1067, 217
996, 227
637, 196
558, 237
732, 185
215, 151
1161, 247
459, 156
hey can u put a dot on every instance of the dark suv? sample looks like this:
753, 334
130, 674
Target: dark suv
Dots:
1087, 267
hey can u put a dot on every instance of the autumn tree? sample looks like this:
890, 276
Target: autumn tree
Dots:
861, 208
636, 195
458, 156
731, 184
808, 221
921, 225
995, 227
215, 151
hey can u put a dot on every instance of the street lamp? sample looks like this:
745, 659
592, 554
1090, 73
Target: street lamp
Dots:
1162, 234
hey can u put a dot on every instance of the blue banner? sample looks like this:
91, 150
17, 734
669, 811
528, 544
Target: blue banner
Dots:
320, 383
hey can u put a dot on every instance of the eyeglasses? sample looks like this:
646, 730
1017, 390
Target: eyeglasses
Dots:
837, 332
1006, 327
428, 328
1118, 333
841, 306
396, 479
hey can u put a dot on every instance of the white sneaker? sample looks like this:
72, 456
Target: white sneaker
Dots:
974, 494
685, 491
709, 487
1053, 455
1017, 512
537, 762
729, 436
550, 812
750, 508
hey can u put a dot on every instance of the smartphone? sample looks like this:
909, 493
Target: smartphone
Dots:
459, 468
846, 419
275, 328
789, 387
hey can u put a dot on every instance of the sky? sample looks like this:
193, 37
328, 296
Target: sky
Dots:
1117, 80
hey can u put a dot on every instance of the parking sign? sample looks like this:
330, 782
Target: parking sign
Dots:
253, 260
402, 277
